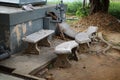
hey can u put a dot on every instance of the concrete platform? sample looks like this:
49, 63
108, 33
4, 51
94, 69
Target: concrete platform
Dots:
8, 77
26, 64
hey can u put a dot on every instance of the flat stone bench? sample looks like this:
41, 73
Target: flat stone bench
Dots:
62, 51
91, 31
36, 39
82, 38
86, 36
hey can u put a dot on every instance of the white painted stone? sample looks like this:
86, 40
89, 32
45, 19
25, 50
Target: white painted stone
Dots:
66, 47
37, 36
91, 30
67, 30
82, 38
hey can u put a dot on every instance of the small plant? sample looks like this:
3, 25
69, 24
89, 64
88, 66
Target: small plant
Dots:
114, 9
82, 12
73, 7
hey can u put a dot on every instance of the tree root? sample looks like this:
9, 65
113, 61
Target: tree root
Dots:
109, 45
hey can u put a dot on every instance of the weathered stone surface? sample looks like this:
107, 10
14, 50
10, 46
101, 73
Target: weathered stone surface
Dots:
8, 77
65, 47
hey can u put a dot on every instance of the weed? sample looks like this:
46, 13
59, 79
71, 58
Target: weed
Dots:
75, 8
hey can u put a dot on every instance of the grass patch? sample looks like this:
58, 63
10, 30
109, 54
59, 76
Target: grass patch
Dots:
53, 2
114, 9
75, 8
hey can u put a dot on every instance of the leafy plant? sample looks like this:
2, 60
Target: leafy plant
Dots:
73, 7
82, 12
114, 9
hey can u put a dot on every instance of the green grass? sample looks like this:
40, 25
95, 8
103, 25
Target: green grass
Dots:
114, 9
75, 8
54, 2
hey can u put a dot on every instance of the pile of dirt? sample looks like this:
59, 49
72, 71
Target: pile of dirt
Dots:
105, 22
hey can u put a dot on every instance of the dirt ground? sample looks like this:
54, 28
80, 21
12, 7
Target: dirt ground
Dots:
92, 66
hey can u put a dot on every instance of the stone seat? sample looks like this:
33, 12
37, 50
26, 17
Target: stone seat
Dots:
36, 39
82, 38
91, 31
62, 51
86, 36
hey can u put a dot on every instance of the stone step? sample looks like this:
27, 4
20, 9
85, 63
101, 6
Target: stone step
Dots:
8, 77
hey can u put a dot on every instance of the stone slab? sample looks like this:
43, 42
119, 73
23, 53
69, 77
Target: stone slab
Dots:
82, 38
66, 47
25, 64
8, 77
37, 36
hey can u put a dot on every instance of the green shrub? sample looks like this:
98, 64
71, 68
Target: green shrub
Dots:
73, 7
82, 12
114, 9
53, 2
76, 9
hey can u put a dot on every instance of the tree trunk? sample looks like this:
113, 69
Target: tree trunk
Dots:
84, 4
105, 4
98, 5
